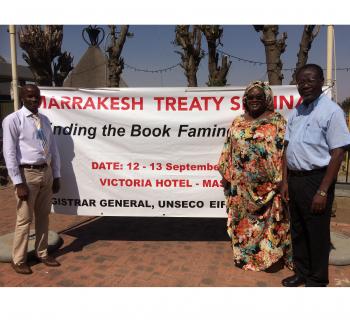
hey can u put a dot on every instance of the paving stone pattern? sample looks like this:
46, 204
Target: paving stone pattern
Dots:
143, 252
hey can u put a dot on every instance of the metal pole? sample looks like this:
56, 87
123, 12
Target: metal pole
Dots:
14, 83
329, 79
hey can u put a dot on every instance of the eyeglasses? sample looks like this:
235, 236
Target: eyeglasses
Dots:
303, 82
258, 97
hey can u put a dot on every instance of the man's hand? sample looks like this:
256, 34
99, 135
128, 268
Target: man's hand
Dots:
22, 191
318, 204
56, 185
284, 191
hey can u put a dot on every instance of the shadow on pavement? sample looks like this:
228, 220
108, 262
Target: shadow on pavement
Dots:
145, 229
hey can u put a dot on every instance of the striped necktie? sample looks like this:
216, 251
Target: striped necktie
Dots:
41, 136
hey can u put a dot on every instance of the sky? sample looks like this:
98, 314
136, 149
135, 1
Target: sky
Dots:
152, 48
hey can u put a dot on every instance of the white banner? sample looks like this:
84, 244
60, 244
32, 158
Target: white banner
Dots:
144, 151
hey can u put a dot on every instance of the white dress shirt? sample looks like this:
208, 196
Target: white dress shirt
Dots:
21, 143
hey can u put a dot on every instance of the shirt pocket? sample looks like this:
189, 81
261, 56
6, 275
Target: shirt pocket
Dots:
313, 134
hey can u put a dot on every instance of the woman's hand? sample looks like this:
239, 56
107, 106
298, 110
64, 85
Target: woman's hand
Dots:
226, 185
283, 188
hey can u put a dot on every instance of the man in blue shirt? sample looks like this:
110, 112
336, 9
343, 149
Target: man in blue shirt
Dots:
33, 165
316, 139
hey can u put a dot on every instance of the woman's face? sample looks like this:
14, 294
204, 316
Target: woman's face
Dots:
256, 102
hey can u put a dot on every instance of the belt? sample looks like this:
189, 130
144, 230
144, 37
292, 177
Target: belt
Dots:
34, 166
303, 173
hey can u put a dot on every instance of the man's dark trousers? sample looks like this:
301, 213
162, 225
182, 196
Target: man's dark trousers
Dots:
310, 231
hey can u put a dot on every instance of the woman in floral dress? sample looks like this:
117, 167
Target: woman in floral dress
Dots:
251, 167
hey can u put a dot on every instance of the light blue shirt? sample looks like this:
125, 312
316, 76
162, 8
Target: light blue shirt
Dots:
21, 143
313, 131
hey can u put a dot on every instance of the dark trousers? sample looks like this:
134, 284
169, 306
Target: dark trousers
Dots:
310, 231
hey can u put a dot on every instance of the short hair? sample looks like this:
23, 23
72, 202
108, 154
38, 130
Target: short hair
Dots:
313, 66
26, 87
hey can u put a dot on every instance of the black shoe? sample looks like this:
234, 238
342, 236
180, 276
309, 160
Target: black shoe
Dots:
21, 268
49, 261
293, 281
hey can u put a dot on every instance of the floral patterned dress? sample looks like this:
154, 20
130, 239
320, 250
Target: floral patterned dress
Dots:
251, 161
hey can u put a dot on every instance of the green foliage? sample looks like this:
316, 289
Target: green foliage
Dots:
346, 105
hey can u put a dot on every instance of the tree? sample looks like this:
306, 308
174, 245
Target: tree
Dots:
115, 61
43, 48
275, 47
273, 50
62, 68
346, 107
307, 38
190, 42
217, 74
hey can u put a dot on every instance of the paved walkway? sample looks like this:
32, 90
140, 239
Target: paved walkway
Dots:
128, 252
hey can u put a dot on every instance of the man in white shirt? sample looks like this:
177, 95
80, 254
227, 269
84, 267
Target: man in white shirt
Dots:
33, 164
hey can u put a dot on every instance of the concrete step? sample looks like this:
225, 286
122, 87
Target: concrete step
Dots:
340, 253
54, 240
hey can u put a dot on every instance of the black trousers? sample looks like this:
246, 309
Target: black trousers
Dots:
310, 231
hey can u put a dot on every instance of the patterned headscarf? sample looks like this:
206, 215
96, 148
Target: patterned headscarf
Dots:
267, 90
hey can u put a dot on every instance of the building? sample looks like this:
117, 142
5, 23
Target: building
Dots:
91, 71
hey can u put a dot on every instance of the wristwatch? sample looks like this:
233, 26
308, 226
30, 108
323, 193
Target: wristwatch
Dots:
322, 193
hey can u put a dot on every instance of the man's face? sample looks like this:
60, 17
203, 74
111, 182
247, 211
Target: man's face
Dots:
309, 85
31, 98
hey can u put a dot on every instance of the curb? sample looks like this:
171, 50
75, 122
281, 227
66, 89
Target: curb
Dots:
340, 249
54, 241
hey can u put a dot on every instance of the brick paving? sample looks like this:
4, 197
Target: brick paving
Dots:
145, 252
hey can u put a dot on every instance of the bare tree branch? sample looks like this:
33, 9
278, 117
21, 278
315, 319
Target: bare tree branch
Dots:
190, 41
62, 68
42, 47
273, 49
115, 61
217, 74
307, 38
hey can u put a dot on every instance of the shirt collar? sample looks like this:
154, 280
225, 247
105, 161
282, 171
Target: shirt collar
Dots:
313, 104
27, 112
